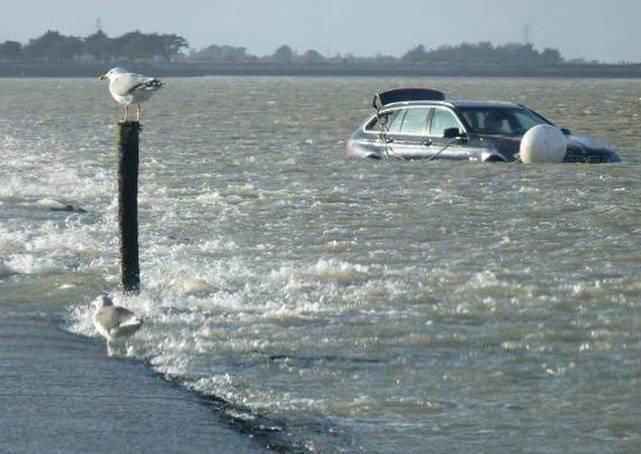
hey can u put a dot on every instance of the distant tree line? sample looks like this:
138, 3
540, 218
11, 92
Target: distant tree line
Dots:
485, 53
143, 47
230, 54
53, 47
481, 53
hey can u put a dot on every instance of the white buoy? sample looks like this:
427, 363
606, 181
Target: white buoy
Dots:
543, 143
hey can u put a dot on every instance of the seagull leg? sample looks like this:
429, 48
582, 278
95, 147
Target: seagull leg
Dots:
109, 349
138, 112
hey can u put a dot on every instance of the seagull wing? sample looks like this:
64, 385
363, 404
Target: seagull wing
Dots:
144, 83
127, 322
150, 83
105, 318
123, 84
127, 83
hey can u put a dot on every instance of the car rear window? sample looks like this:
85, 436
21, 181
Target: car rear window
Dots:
409, 121
389, 121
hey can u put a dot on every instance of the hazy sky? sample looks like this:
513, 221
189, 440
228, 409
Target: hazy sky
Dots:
593, 29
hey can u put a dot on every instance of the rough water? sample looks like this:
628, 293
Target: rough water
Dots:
345, 306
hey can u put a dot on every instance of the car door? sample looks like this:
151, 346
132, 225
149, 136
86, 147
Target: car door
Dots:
407, 136
442, 119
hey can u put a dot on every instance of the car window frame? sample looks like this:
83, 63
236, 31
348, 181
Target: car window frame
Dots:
403, 109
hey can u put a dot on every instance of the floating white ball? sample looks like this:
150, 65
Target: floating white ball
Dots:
543, 143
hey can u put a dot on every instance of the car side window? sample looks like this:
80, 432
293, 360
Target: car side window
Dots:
415, 121
441, 120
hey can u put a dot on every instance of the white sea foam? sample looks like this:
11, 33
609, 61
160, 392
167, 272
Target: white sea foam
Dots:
12, 241
32, 264
338, 290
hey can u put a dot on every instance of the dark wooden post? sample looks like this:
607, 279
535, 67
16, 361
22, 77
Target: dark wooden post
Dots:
128, 160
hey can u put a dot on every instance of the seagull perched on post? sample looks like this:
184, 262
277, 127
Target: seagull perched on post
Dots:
114, 323
130, 88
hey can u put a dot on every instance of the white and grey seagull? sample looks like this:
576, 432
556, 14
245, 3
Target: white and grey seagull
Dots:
130, 88
114, 323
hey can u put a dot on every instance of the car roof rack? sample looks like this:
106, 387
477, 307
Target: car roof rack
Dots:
406, 94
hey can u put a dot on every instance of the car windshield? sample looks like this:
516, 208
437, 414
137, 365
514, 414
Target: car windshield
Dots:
509, 121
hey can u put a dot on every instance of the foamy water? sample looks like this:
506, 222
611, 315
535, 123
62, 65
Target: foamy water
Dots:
345, 306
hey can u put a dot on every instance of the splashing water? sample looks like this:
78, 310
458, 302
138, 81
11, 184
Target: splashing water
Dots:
345, 306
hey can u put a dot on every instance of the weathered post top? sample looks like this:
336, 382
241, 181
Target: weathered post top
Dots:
128, 163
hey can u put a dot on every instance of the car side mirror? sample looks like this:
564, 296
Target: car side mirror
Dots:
453, 133
566, 131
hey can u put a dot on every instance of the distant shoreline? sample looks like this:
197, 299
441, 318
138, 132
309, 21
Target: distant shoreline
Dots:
567, 70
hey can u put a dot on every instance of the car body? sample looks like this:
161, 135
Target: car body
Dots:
422, 124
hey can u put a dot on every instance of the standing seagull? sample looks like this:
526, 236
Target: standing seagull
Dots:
114, 322
129, 88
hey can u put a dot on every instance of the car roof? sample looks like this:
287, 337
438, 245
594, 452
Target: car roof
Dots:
457, 103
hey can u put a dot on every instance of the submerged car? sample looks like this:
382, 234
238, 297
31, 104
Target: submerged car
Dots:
423, 124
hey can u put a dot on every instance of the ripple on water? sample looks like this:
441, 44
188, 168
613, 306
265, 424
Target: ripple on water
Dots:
361, 306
